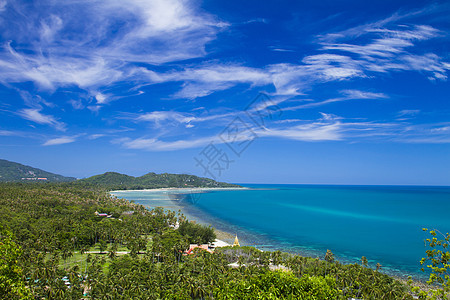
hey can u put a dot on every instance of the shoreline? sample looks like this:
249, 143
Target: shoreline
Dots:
226, 232
186, 189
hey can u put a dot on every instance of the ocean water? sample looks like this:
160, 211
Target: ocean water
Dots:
383, 223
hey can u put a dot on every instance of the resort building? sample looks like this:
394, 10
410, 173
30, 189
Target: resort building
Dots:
194, 246
102, 214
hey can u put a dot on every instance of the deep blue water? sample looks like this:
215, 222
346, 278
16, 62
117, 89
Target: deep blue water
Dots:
383, 223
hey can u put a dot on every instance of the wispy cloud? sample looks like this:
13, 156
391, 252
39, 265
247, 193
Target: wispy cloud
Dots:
120, 46
388, 50
3, 4
390, 42
202, 80
408, 112
322, 130
100, 50
165, 119
357, 31
307, 133
158, 117
96, 136
154, 144
125, 42
429, 133
347, 95
36, 116
59, 141
7, 133
328, 127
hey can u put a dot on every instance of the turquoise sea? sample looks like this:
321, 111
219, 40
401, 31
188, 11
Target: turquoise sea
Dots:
383, 223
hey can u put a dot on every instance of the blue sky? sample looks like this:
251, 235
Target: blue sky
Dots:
337, 92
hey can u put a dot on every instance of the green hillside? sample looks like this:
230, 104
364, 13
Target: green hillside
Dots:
15, 172
114, 180
110, 178
11, 171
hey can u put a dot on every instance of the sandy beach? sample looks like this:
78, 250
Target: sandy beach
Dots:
224, 232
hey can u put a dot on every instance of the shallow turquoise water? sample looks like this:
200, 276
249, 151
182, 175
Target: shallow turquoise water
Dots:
383, 223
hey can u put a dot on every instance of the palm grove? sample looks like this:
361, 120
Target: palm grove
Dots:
53, 245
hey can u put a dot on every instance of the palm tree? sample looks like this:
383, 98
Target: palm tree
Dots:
102, 246
329, 256
112, 251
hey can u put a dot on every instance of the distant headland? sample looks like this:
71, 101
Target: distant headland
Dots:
16, 172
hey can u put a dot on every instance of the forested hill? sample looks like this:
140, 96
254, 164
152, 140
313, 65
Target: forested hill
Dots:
11, 171
16, 172
151, 180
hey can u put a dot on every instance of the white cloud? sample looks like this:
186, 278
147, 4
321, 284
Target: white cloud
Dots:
152, 144
280, 49
431, 133
420, 32
163, 119
101, 98
198, 90
400, 131
76, 104
441, 129
36, 116
59, 141
388, 51
329, 117
347, 95
210, 77
358, 94
288, 121
408, 112
50, 28
355, 32
290, 79
3, 4
308, 133
7, 133
158, 117
328, 127
385, 52
51, 72
390, 43
96, 136
98, 52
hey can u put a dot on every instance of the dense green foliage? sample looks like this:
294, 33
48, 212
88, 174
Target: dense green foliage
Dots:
203, 276
437, 262
198, 234
11, 171
119, 181
12, 285
55, 246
